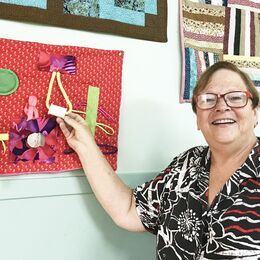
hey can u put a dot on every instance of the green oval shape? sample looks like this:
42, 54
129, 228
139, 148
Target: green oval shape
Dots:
8, 82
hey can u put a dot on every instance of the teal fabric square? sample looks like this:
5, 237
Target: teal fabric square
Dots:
33, 3
125, 11
151, 7
108, 10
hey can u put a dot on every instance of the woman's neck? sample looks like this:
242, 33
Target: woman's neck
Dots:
222, 154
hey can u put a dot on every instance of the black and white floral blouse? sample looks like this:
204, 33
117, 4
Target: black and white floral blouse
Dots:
174, 206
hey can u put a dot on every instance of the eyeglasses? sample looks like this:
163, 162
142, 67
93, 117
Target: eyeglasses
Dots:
234, 99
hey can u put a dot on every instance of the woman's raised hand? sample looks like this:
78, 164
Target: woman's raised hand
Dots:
75, 130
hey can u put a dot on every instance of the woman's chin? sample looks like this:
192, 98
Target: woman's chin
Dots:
225, 138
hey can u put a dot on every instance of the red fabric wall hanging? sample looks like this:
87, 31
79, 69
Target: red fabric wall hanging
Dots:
94, 67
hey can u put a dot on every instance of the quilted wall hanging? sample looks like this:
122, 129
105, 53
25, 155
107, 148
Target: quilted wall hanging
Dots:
36, 78
142, 19
214, 30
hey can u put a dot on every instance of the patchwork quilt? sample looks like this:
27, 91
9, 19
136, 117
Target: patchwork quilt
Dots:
214, 30
142, 19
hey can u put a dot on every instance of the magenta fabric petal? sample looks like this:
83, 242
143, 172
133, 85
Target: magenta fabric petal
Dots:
29, 155
45, 152
44, 61
51, 138
42, 123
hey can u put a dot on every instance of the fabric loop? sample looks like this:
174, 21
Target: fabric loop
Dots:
56, 74
107, 129
4, 137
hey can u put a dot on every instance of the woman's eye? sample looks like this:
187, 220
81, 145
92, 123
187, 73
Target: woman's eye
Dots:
235, 98
209, 100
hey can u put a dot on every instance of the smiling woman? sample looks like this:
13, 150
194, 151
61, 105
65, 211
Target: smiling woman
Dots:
223, 120
225, 104
205, 204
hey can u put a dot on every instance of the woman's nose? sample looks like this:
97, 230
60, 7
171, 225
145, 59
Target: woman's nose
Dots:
221, 105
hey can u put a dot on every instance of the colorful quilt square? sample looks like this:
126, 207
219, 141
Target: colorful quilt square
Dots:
242, 32
250, 65
203, 26
218, 30
196, 61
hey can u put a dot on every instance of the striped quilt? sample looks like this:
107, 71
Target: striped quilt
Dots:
214, 30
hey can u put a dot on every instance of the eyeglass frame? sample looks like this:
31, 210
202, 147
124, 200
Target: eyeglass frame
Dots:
247, 92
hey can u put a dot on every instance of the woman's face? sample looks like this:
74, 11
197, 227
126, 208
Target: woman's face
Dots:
222, 124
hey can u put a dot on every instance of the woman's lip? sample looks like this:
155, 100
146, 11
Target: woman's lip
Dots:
222, 121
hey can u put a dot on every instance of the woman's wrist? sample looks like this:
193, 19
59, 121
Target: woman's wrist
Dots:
86, 147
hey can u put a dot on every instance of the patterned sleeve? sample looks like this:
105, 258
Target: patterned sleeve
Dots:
151, 197
148, 199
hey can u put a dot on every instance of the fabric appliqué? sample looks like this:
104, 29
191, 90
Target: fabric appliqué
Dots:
34, 140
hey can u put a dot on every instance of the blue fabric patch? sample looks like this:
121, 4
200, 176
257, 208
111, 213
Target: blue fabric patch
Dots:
33, 3
193, 71
108, 10
151, 7
125, 11
186, 93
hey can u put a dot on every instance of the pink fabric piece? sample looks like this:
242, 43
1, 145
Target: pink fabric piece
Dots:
202, 37
65, 64
30, 109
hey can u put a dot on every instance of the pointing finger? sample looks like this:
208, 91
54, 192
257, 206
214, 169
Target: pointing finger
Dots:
63, 127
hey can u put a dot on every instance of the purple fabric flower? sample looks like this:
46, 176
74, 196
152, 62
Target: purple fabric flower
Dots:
33, 140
